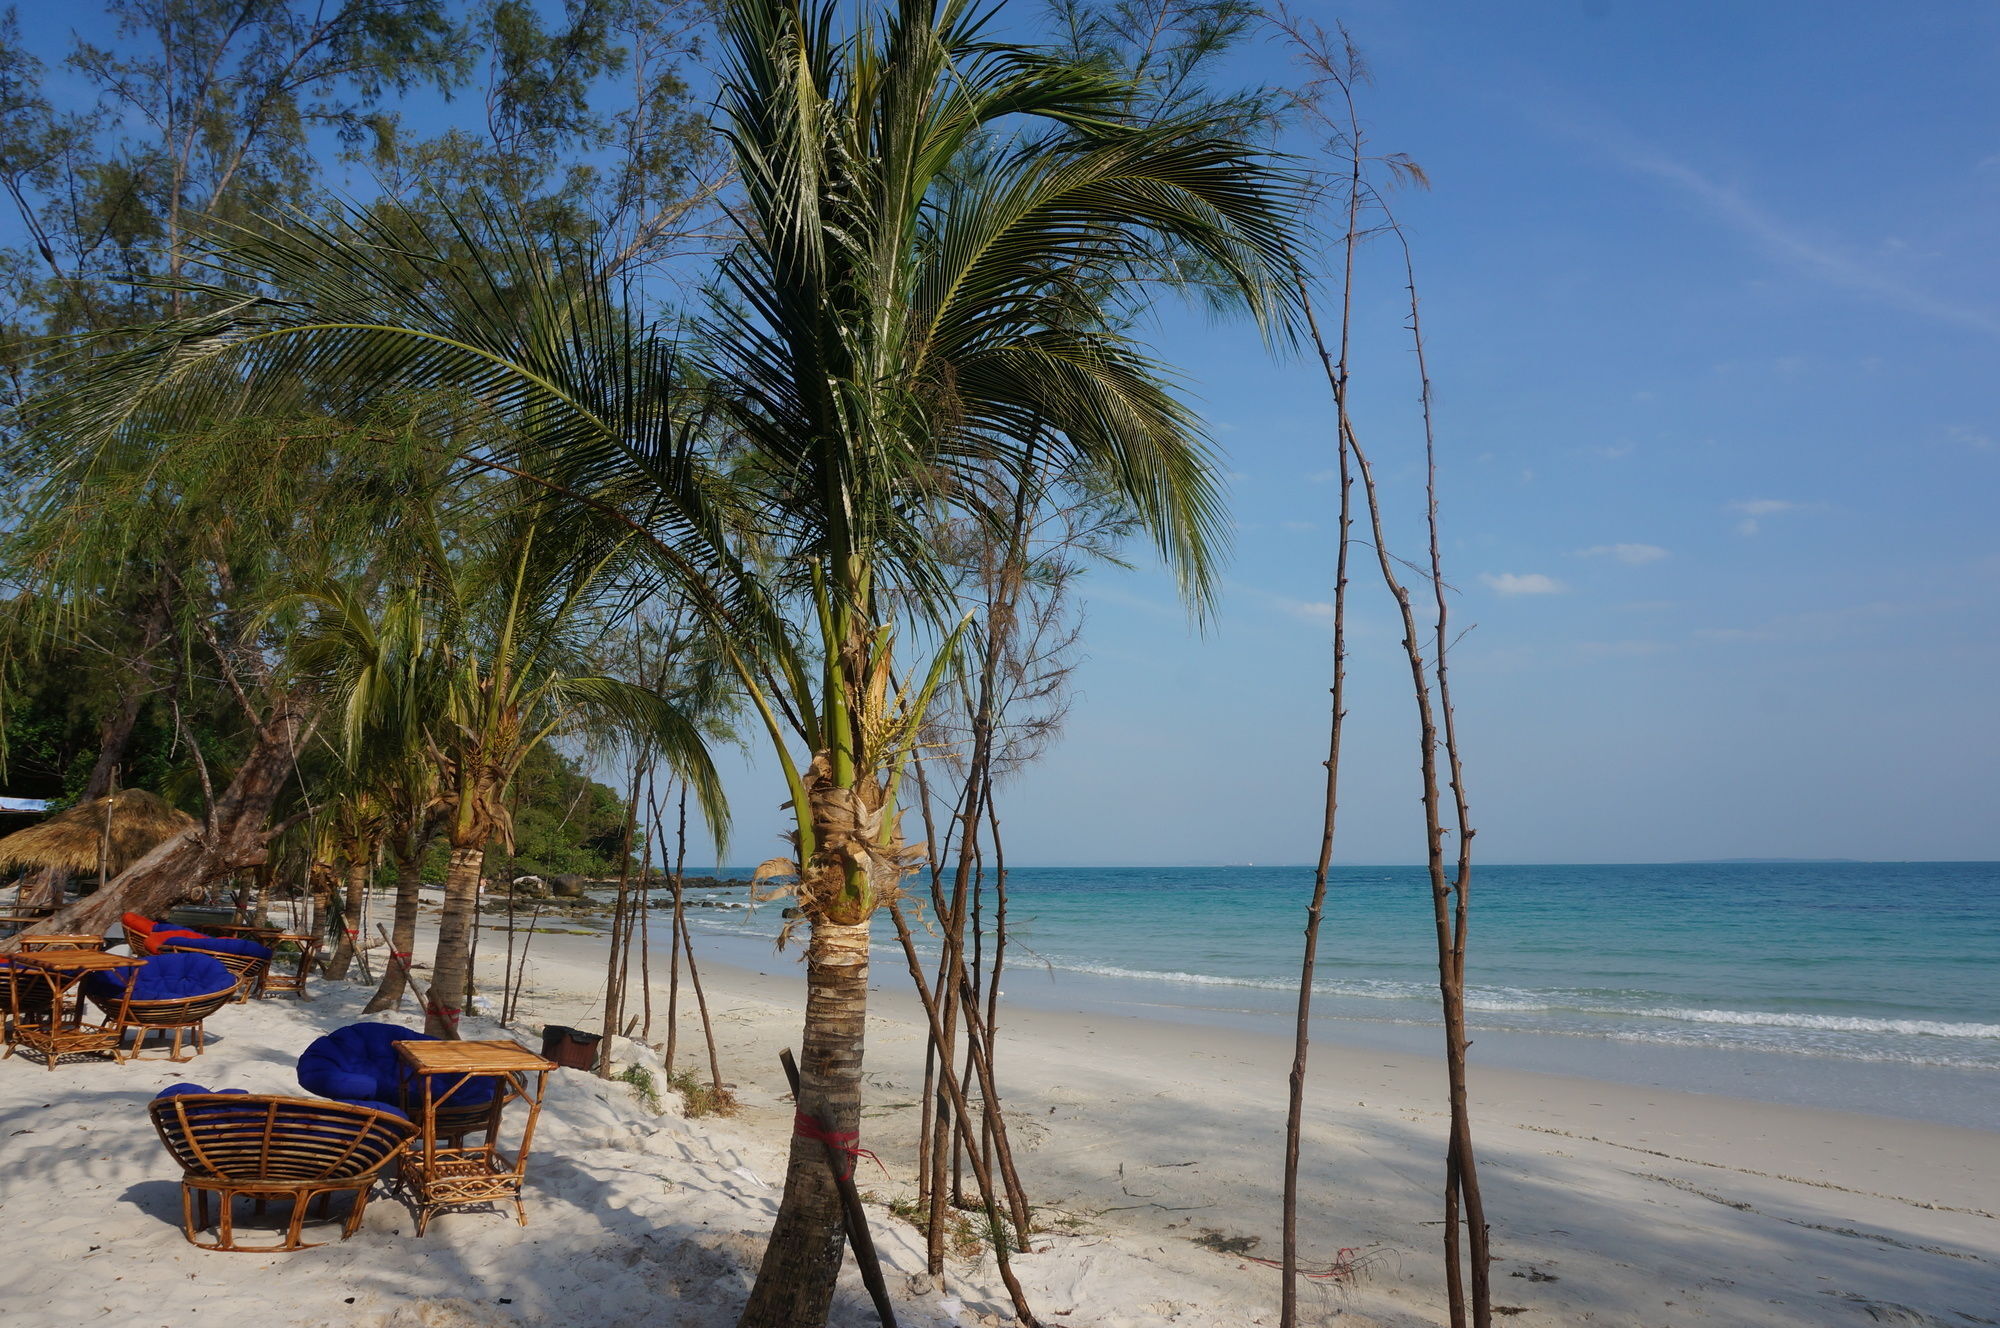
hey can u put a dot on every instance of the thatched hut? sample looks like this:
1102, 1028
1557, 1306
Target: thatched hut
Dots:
113, 832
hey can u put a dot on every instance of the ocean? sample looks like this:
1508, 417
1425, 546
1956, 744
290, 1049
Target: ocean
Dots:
1866, 986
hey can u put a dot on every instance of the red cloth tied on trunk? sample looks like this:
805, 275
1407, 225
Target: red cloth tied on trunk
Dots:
841, 1141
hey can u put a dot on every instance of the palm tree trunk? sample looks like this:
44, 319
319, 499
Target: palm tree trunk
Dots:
402, 934
453, 964
348, 927
795, 1283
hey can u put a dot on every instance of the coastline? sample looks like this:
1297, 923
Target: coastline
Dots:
1610, 1202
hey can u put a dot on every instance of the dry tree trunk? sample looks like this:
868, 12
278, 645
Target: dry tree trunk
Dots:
1429, 680
687, 943
1448, 909
926, 1105
677, 920
235, 836
981, 1175
1337, 379
621, 925
1462, 1165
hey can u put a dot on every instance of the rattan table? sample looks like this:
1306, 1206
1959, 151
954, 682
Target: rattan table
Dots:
246, 931
65, 1032
305, 945
441, 1177
51, 940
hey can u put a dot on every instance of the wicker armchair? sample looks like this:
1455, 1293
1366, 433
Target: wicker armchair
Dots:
246, 961
165, 996
358, 1063
32, 996
262, 1148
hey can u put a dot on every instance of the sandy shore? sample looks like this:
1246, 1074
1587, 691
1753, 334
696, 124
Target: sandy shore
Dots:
1608, 1204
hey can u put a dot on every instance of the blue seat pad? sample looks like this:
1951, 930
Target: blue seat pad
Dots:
165, 978
358, 1063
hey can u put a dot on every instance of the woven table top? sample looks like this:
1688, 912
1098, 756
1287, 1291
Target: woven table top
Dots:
75, 959
501, 1057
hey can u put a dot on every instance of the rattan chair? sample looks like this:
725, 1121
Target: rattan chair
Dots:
236, 1145
33, 995
247, 961
358, 1063
127, 1007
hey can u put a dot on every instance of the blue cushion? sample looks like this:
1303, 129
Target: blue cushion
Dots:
224, 945
164, 978
176, 1090
359, 1064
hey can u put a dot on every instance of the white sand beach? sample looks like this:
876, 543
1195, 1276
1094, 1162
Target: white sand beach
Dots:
1610, 1204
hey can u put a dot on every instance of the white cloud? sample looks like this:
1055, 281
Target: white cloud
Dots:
1297, 526
1755, 509
1764, 506
1522, 583
1831, 263
1634, 554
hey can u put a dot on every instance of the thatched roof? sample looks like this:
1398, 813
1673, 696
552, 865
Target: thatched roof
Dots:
74, 838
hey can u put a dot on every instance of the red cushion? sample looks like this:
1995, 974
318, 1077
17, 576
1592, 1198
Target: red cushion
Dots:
164, 935
137, 923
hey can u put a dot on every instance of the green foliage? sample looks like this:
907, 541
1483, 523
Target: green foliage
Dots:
644, 1086
565, 823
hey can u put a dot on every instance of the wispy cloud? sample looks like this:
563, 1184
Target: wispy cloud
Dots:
1834, 264
1619, 649
1754, 510
1636, 555
1522, 583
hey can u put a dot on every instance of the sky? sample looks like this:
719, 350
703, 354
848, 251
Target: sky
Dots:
1712, 309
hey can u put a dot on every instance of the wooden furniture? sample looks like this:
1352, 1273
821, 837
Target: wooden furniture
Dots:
24, 916
180, 1015
246, 931
305, 947
449, 1177
235, 1145
24, 994
248, 970
43, 940
59, 1030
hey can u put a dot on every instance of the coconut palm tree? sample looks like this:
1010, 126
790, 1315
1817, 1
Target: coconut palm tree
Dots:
942, 233
454, 681
943, 239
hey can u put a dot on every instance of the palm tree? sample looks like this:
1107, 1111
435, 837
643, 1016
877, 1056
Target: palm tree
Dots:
943, 237
453, 683
941, 233
377, 659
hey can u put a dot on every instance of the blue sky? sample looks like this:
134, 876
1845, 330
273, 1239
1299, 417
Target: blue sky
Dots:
1713, 312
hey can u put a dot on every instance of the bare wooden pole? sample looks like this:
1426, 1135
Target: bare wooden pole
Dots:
1316, 909
981, 1175
613, 984
687, 943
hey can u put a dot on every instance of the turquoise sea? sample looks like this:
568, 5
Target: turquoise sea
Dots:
1870, 986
